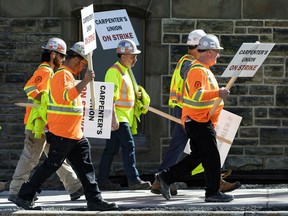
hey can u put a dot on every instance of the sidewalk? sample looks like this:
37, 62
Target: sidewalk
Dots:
142, 202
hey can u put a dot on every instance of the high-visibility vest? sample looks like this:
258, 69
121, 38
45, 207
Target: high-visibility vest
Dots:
201, 90
177, 80
124, 95
64, 107
39, 82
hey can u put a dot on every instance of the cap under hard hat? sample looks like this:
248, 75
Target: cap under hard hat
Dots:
79, 49
194, 37
209, 41
56, 44
127, 46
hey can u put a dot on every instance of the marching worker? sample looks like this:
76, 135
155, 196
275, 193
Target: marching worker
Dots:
179, 137
200, 93
53, 56
124, 124
64, 117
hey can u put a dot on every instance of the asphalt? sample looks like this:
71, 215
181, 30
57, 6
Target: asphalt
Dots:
248, 201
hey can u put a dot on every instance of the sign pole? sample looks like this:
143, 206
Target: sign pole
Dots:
216, 104
92, 91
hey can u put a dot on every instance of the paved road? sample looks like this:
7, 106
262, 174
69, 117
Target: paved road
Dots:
264, 201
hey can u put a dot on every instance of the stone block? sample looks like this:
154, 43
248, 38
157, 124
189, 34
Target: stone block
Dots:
261, 90
256, 101
281, 96
171, 38
267, 122
216, 26
274, 71
263, 151
178, 25
261, 112
278, 112
248, 132
273, 136
276, 162
244, 163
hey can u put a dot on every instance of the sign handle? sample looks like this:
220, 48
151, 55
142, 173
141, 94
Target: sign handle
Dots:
92, 91
216, 104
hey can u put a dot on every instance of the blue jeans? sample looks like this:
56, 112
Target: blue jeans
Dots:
177, 145
120, 138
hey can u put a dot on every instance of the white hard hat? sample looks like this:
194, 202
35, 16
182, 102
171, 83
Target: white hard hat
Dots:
209, 41
79, 49
56, 44
127, 46
194, 37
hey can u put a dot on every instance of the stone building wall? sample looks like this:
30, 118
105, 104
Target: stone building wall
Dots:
261, 142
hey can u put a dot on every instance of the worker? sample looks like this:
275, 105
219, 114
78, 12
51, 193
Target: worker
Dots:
64, 118
53, 56
179, 137
200, 92
123, 119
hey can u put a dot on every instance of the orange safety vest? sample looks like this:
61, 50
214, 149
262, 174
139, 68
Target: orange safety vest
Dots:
36, 84
124, 95
64, 107
177, 81
201, 90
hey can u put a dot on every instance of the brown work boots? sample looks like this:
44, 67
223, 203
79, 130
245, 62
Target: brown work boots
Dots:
227, 186
224, 186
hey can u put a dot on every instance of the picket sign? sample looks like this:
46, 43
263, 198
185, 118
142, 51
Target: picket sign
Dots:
226, 128
96, 123
89, 39
112, 27
245, 63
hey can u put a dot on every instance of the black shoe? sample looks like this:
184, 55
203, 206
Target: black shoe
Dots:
75, 196
164, 187
219, 197
26, 204
13, 198
101, 205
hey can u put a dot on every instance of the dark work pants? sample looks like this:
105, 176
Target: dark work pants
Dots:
204, 150
78, 153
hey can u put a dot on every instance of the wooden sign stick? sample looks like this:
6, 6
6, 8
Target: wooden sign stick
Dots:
92, 91
228, 86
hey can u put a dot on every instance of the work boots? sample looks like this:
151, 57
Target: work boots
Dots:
156, 188
226, 186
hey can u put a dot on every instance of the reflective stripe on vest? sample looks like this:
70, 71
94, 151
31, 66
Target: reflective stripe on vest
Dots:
123, 99
61, 109
29, 89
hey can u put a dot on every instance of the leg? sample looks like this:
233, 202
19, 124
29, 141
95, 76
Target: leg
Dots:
66, 175
59, 148
110, 150
80, 158
128, 152
29, 158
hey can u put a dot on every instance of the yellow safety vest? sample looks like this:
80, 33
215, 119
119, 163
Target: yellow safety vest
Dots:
177, 81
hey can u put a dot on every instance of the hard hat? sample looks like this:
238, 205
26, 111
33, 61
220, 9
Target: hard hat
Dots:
56, 44
79, 49
127, 46
209, 41
194, 37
